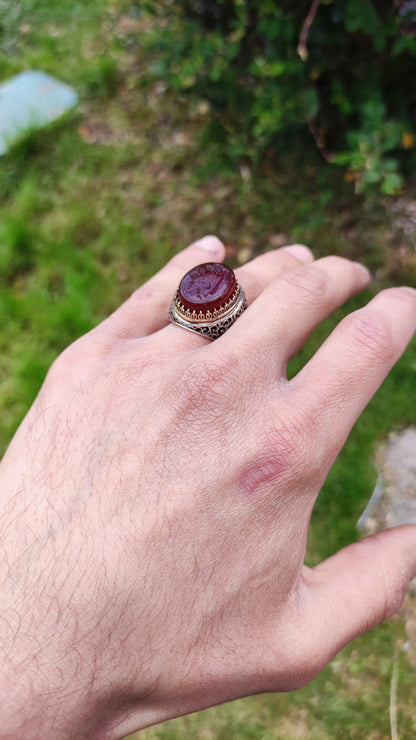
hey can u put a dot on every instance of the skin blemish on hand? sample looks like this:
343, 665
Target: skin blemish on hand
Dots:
261, 475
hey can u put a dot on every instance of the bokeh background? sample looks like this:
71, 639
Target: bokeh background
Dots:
265, 124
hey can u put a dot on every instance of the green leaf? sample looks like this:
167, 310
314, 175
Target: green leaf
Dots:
392, 183
360, 15
270, 27
309, 102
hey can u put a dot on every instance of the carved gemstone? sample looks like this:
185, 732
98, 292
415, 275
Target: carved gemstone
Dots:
207, 287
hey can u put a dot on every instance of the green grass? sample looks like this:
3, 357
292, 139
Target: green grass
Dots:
92, 206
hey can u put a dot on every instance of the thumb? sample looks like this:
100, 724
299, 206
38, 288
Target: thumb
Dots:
361, 585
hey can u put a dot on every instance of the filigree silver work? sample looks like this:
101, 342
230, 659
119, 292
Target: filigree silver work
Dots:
214, 327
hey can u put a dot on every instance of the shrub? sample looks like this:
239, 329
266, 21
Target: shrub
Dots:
341, 71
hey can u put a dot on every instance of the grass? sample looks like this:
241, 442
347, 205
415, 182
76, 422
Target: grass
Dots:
91, 207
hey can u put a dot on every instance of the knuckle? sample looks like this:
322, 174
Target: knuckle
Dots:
63, 366
335, 261
310, 282
287, 439
177, 262
251, 283
61, 378
146, 293
370, 332
280, 438
205, 388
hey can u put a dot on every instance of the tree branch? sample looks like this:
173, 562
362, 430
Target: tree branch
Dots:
302, 48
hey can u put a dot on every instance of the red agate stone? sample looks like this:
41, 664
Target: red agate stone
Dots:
207, 287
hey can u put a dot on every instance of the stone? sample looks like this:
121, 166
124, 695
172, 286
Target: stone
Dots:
207, 287
30, 100
394, 502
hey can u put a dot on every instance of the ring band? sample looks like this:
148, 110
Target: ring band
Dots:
208, 301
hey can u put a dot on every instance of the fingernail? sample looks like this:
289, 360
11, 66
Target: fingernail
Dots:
365, 270
301, 252
211, 244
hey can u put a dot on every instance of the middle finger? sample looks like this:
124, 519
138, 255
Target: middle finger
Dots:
285, 314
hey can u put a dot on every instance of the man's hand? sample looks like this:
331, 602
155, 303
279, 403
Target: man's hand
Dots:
156, 502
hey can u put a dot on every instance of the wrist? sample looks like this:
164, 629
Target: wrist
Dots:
39, 696
46, 670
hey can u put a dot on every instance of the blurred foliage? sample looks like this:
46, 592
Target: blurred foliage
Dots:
274, 73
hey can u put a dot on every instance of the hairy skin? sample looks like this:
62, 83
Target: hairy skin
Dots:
155, 505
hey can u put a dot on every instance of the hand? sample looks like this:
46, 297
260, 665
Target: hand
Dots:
156, 502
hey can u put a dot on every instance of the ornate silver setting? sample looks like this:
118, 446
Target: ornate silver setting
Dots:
210, 325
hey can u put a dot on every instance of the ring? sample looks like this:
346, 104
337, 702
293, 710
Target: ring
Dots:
208, 301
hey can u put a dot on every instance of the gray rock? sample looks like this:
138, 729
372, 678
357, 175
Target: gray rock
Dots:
394, 498
394, 502
30, 100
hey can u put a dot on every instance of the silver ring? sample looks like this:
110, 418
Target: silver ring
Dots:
208, 301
